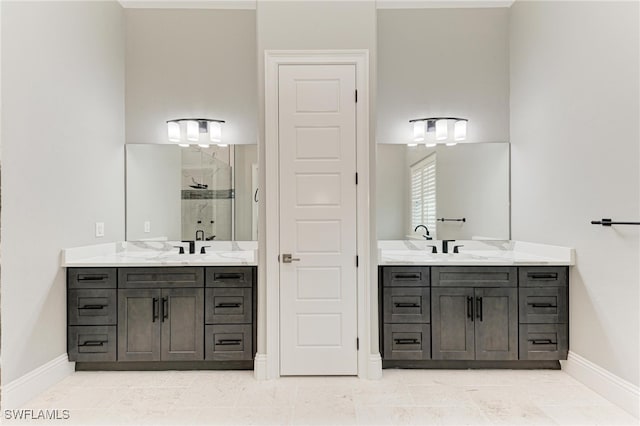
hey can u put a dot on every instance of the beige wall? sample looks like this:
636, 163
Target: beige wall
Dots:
575, 158
63, 161
190, 63
443, 62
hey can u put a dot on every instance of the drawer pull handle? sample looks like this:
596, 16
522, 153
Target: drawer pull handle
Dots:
93, 343
93, 307
228, 276
406, 276
92, 277
542, 342
407, 305
228, 305
542, 305
228, 342
543, 276
407, 341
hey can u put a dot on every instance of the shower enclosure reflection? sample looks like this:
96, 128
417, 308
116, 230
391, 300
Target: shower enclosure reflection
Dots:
191, 193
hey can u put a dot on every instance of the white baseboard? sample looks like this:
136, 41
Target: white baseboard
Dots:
375, 367
619, 391
260, 367
25, 388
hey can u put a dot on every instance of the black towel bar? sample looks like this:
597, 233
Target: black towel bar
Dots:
609, 222
442, 219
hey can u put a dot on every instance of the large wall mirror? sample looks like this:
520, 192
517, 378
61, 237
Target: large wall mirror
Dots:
192, 193
423, 186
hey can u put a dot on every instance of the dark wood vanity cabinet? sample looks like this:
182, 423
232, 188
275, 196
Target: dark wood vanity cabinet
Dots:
406, 313
474, 314
92, 314
230, 313
156, 314
544, 313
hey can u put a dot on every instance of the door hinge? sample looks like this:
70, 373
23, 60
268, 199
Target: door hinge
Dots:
357, 261
278, 258
356, 178
356, 96
357, 343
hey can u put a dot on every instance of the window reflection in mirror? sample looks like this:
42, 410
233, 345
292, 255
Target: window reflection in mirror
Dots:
420, 185
191, 193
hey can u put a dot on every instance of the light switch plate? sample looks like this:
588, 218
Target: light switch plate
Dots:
147, 226
99, 229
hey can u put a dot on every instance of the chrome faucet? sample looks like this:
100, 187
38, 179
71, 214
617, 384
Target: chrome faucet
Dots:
426, 236
201, 233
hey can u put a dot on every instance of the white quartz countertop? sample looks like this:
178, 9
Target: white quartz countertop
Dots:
473, 253
161, 253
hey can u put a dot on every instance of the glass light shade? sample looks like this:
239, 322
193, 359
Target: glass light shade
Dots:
442, 132
460, 130
215, 131
418, 131
412, 145
430, 144
223, 145
173, 131
452, 143
183, 145
203, 145
193, 131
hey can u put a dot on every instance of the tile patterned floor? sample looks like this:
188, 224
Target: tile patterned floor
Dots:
402, 397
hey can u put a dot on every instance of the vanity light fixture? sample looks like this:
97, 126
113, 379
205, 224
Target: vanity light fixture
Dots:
434, 130
194, 127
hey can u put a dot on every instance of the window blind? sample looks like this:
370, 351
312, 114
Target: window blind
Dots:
423, 194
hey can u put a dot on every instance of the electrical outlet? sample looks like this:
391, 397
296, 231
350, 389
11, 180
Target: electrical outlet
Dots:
147, 226
99, 229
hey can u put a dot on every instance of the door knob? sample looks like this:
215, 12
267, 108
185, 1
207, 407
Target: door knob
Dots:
286, 258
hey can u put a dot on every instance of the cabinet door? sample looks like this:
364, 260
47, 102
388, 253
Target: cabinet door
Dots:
182, 316
452, 323
496, 323
139, 325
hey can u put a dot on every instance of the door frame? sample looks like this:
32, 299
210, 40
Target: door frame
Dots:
369, 364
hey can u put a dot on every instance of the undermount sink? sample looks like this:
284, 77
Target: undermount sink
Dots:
417, 255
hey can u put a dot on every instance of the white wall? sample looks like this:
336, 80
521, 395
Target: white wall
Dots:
190, 63
324, 25
63, 161
575, 158
154, 183
443, 62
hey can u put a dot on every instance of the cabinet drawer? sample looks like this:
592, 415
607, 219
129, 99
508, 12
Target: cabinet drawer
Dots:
474, 276
407, 305
92, 343
544, 341
92, 307
543, 276
406, 276
160, 277
230, 276
543, 305
228, 305
91, 278
407, 341
228, 342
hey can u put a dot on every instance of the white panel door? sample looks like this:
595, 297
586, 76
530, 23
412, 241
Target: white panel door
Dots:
318, 293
